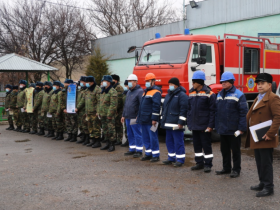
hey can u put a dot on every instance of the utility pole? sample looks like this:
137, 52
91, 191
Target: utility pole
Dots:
184, 15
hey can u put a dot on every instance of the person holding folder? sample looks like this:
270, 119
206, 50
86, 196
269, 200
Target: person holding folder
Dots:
265, 107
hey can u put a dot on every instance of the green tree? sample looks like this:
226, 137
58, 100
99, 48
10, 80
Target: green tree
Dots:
98, 66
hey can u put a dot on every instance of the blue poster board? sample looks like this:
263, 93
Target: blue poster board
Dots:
71, 99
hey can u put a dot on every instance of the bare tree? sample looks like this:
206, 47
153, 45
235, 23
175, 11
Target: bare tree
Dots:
49, 33
114, 17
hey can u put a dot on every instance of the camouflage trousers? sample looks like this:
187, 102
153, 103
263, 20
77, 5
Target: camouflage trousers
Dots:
81, 118
94, 125
33, 121
47, 121
108, 127
71, 123
15, 116
23, 119
10, 119
58, 122
119, 127
40, 118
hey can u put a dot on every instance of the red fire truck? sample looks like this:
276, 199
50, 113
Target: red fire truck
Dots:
180, 55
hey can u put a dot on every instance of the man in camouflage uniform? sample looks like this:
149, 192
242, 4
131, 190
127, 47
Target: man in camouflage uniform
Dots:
9, 89
13, 111
70, 118
81, 113
62, 106
57, 121
38, 98
23, 121
118, 125
91, 101
107, 111
32, 122
45, 109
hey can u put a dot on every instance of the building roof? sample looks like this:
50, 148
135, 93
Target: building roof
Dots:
14, 62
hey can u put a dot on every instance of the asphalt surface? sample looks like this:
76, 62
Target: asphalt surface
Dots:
40, 173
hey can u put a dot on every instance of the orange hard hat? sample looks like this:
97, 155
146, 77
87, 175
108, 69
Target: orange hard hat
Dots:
150, 76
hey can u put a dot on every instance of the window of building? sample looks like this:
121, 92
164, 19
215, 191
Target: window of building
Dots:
251, 60
208, 54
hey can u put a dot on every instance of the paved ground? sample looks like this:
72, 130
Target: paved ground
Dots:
39, 173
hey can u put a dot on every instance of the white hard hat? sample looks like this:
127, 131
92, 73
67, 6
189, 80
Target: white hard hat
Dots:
132, 77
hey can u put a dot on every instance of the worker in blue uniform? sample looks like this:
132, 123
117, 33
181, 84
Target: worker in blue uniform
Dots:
230, 123
174, 119
148, 118
201, 120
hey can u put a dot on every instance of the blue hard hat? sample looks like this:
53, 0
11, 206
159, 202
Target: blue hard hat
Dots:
227, 75
199, 75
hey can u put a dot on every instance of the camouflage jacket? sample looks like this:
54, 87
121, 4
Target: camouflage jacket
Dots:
108, 102
54, 101
38, 98
81, 99
46, 101
8, 99
119, 90
124, 96
21, 98
91, 99
62, 95
13, 100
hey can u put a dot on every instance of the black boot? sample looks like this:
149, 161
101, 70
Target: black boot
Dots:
12, 127
125, 144
96, 144
41, 132
103, 140
60, 136
112, 146
51, 134
107, 145
69, 137
56, 136
9, 128
74, 138
18, 129
86, 139
82, 139
80, 134
92, 142
26, 131
118, 143
33, 132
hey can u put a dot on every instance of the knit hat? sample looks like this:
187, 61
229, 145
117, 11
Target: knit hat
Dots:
115, 77
174, 81
68, 81
199, 81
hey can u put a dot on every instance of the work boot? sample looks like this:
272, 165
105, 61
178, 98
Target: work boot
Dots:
97, 144
128, 153
118, 143
82, 139
21, 129
92, 142
146, 158
197, 167
103, 139
9, 128
80, 134
86, 139
107, 145
60, 136
51, 134
12, 127
69, 137
16, 129
112, 146
74, 138
125, 144
137, 154
223, 171
41, 132
26, 131
258, 187
265, 192
56, 136
207, 169
178, 164
234, 174
168, 162
154, 159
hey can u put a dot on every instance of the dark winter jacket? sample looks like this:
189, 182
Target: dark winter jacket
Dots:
132, 102
201, 109
231, 111
149, 109
175, 108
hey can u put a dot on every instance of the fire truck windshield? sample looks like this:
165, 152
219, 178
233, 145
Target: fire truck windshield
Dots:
174, 52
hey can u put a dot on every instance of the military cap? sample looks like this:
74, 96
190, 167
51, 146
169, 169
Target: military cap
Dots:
90, 79
32, 85
15, 87
39, 84
9, 86
107, 78
56, 83
48, 83
115, 77
23, 82
125, 82
83, 78
68, 81
265, 77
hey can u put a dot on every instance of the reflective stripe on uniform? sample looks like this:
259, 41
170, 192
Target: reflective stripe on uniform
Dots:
208, 156
148, 150
132, 147
170, 125
171, 154
155, 152
219, 98
180, 156
199, 154
139, 148
155, 114
182, 118
232, 98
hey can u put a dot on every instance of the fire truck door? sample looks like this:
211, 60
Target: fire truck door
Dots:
209, 68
